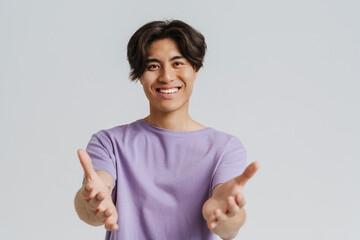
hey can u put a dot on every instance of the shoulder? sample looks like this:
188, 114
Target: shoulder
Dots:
224, 137
119, 131
226, 141
110, 140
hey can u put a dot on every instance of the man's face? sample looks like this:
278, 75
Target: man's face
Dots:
168, 78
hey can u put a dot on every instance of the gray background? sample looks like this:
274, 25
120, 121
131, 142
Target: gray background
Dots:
283, 76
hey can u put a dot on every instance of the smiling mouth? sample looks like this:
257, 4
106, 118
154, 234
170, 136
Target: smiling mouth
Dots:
168, 91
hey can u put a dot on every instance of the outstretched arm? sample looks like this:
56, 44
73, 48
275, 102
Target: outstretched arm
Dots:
224, 211
93, 201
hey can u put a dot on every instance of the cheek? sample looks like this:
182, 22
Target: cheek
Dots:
189, 77
147, 79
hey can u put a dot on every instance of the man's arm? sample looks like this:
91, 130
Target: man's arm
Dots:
93, 202
224, 211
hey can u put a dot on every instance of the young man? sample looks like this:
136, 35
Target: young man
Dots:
164, 176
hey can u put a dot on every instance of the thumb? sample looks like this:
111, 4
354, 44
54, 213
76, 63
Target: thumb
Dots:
248, 173
86, 164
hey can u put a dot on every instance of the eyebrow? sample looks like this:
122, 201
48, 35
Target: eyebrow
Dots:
158, 61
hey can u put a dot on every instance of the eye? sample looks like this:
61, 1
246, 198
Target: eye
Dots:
177, 64
152, 67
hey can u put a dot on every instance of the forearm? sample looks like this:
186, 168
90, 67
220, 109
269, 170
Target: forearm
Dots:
229, 228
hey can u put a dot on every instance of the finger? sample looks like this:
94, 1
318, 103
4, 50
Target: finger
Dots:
110, 224
111, 227
220, 215
114, 227
104, 213
86, 163
233, 208
87, 190
247, 174
100, 196
96, 200
213, 224
211, 218
240, 200
108, 213
101, 215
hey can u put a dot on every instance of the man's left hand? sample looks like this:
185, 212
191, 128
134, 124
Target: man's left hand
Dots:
227, 199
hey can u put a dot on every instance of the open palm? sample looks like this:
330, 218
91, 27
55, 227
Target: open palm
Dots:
227, 198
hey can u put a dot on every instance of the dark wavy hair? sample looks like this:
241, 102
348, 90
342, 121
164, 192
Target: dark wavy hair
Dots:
191, 44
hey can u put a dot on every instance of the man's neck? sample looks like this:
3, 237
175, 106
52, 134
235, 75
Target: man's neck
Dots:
175, 121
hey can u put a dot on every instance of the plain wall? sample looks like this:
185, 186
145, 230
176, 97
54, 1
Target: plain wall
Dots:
283, 76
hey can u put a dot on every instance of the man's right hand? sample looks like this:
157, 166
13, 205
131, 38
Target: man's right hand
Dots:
96, 192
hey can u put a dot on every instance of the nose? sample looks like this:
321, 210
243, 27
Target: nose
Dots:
167, 74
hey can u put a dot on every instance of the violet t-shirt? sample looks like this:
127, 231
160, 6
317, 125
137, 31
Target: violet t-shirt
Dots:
163, 177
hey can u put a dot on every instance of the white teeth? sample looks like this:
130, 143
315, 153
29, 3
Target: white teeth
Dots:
172, 90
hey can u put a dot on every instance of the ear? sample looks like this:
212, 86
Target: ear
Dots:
196, 72
140, 80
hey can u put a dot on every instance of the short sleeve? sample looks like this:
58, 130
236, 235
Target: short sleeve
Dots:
100, 150
232, 162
